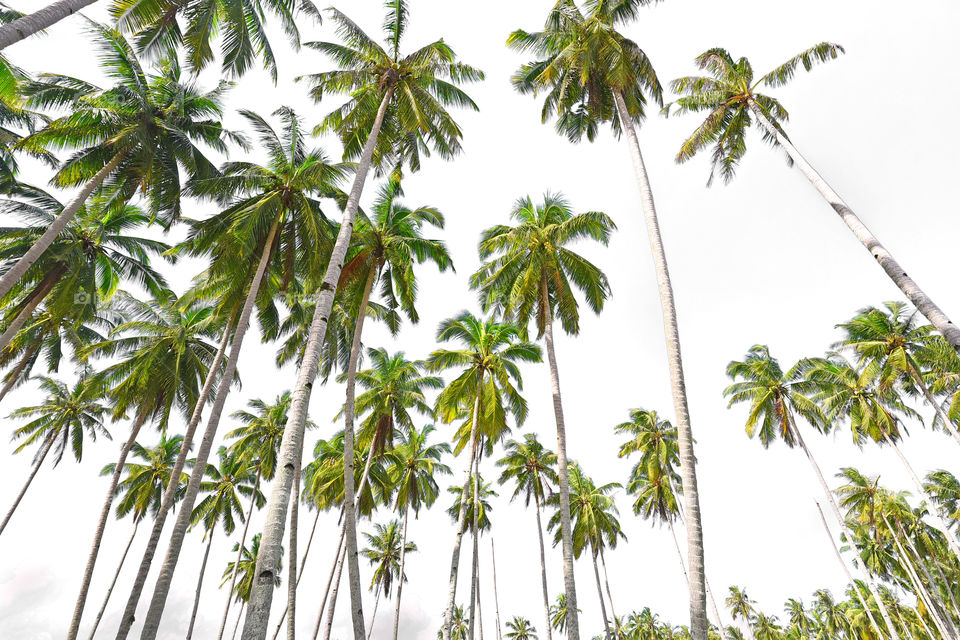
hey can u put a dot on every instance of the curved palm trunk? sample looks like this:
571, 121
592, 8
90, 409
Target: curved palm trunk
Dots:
475, 562
239, 556
887, 262
17, 271
688, 471
31, 303
170, 495
334, 571
292, 580
603, 607
403, 557
373, 615
113, 583
151, 623
37, 21
461, 522
496, 598
33, 473
334, 592
543, 574
196, 598
261, 597
566, 528
606, 583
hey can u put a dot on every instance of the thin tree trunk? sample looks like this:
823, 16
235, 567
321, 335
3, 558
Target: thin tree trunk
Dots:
196, 598
496, 598
474, 568
37, 21
170, 495
945, 615
328, 625
926, 629
947, 585
566, 529
33, 300
17, 271
303, 562
151, 623
676, 544
261, 597
239, 556
292, 580
33, 473
326, 592
403, 557
479, 607
603, 607
543, 573
683, 567
914, 293
102, 525
606, 582
461, 521
113, 583
920, 590
373, 615
236, 625
698, 590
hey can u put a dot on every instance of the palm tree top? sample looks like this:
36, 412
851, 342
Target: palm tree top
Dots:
531, 466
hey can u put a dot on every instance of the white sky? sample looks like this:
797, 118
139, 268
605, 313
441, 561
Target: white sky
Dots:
763, 260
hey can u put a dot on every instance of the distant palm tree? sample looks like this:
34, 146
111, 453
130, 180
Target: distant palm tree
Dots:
458, 626
246, 569
385, 549
944, 488
558, 613
520, 629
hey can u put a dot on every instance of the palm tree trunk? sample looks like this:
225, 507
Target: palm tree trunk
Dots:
373, 616
334, 571
14, 375
292, 580
403, 557
921, 591
676, 544
239, 556
496, 598
606, 582
102, 525
479, 607
236, 625
31, 303
566, 529
334, 592
17, 271
33, 473
887, 262
938, 603
303, 562
603, 607
113, 583
688, 471
196, 598
543, 574
261, 597
170, 494
151, 623
461, 521
474, 566
37, 21
948, 424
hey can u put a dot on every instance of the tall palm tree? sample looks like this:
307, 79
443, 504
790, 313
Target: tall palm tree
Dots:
245, 568
489, 381
530, 271
385, 549
728, 94
519, 628
591, 74
62, 420
135, 136
411, 94
531, 466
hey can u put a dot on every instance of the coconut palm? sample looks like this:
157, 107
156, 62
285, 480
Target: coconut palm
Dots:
590, 74
65, 417
728, 94
531, 466
245, 568
384, 550
519, 628
458, 628
134, 136
558, 613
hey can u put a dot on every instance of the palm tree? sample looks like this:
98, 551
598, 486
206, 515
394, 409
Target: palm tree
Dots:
136, 135
62, 420
532, 467
728, 95
458, 628
776, 399
476, 503
24, 26
245, 568
558, 613
741, 607
385, 549
592, 74
411, 94
489, 371
520, 629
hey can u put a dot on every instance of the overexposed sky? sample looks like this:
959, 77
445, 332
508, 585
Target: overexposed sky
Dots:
763, 260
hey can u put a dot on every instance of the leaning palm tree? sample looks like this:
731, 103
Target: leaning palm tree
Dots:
592, 74
530, 272
728, 95
519, 628
533, 468
62, 420
385, 549
135, 136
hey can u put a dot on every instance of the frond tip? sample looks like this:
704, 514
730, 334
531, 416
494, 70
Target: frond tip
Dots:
823, 52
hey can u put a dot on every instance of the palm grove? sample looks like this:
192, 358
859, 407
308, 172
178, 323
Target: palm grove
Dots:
83, 288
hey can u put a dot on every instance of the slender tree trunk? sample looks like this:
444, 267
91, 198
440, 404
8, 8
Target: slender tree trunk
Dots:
603, 607
947, 585
474, 568
947, 423
196, 598
606, 582
566, 529
236, 625
543, 574
683, 567
921, 591
461, 521
239, 556
170, 495
496, 598
33, 473
403, 557
373, 615
113, 583
292, 576
334, 592
479, 607
938, 603
17, 271
151, 623
102, 525
31, 303
303, 562
37, 21
698, 589
14, 375
326, 592
261, 597
914, 293
926, 629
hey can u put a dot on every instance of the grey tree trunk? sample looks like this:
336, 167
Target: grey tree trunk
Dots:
37, 21
373, 615
303, 562
496, 597
474, 564
170, 495
688, 472
566, 528
603, 607
334, 592
334, 571
403, 557
33, 473
292, 568
236, 625
239, 556
543, 574
905, 283
151, 623
907, 558
102, 525
606, 583
113, 583
921, 591
196, 598
261, 597
17, 271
